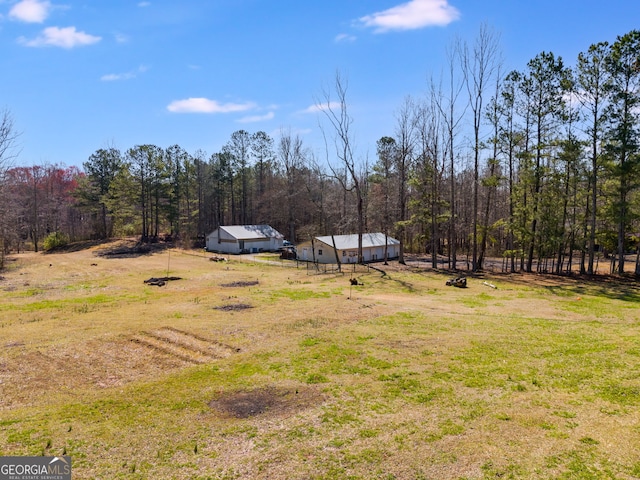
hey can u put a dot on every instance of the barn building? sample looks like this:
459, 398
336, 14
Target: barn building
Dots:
244, 239
322, 250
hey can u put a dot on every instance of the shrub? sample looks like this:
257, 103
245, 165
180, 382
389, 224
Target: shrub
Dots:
54, 240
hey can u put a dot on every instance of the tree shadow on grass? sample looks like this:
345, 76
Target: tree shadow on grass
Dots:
133, 249
616, 288
77, 246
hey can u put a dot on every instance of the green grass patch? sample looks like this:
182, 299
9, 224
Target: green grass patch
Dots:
299, 294
626, 395
62, 304
477, 301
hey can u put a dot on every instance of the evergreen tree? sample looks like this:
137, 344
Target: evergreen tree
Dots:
622, 147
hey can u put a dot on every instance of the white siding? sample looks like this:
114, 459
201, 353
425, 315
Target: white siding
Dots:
237, 239
347, 249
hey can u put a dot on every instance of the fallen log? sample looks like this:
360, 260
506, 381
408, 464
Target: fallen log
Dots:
460, 282
160, 281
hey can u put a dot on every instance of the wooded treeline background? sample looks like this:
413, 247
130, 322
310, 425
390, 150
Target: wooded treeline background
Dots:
539, 166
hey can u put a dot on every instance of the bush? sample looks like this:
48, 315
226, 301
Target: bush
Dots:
54, 240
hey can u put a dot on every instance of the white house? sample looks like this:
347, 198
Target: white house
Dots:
244, 239
322, 250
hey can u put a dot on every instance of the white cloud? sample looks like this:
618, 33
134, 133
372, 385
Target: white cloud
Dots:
31, 11
204, 105
113, 77
144, 4
257, 118
121, 37
344, 37
322, 107
412, 15
67, 37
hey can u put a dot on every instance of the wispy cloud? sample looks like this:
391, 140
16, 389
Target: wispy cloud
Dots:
412, 15
144, 4
121, 37
321, 107
30, 11
113, 77
344, 37
257, 118
67, 37
204, 105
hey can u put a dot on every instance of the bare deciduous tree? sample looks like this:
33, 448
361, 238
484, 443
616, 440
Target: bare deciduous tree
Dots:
479, 67
8, 152
340, 121
405, 138
292, 157
447, 107
8, 140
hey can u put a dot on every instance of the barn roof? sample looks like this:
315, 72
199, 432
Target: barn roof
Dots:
348, 242
250, 232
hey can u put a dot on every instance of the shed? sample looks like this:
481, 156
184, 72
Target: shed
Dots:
321, 249
244, 239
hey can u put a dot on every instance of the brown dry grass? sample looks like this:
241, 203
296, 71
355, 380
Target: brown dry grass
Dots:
399, 377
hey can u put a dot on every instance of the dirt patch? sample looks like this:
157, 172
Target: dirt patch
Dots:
28, 377
241, 284
183, 345
233, 307
273, 401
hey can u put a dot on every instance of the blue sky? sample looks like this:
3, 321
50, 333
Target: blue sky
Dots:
79, 75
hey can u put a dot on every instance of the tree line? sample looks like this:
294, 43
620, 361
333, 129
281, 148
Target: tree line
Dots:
539, 167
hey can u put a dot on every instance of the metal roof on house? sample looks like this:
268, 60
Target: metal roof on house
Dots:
251, 232
350, 242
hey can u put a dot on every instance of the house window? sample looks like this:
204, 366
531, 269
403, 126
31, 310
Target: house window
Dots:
344, 253
320, 252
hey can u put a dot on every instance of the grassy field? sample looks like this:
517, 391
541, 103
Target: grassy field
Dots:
251, 370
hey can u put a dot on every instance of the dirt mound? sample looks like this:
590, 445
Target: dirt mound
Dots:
267, 400
76, 246
132, 248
